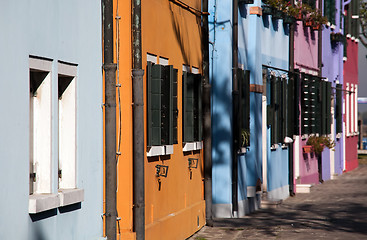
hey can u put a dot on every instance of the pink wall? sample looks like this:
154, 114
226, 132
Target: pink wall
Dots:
305, 58
305, 48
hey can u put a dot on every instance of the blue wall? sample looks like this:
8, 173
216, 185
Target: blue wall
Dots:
69, 31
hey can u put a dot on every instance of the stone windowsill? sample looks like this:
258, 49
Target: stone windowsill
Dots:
70, 196
43, 202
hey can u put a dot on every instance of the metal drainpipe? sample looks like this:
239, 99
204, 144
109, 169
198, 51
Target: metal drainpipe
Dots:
138, 125
207, 117
110, 121
235, 101
291, 69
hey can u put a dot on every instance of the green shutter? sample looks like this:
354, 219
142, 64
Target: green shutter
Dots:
197, 107
305, 104
283, 108
297, 113
174, 109
329, 10
339, 108
244, 99
166, 105
277, 111
328, 107
188, 107
290, 105
316, 105
154, 79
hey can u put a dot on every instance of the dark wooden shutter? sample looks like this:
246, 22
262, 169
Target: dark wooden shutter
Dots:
174, 109
197, 107
339, 108
316, 106
271, 110
328, 108
283, 108
329, 10
290, 106
297, 112
154, 80
188, 107
246, 101
306, 104
277, 110
165, 107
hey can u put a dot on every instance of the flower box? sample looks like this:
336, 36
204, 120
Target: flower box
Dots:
277, 14
307, 149
267, 10
289, 19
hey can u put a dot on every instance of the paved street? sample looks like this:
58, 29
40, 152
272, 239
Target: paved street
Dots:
336, 209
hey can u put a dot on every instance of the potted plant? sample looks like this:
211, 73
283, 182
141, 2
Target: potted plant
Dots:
307, 149
245, 139
319, 143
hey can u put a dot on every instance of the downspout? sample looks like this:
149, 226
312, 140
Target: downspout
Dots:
320, 65
138, 125
235, 108
110, 121
207, 117
291, 69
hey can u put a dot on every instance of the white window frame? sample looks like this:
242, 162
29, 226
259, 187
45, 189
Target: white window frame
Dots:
356, 109
164, 149
40, 119
347, 114
67, 116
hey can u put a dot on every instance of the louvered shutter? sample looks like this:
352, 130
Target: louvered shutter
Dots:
339, 108
154, 80
197, 108
188, 107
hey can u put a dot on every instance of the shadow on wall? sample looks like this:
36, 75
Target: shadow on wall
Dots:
182, 31
221, 133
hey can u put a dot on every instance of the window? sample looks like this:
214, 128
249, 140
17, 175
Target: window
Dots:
162, 109
41, 196
329, 10
316, 105
67, 125
40, 126
40, 137
347, 112
192, 109
244, 111
281, 107
339, 108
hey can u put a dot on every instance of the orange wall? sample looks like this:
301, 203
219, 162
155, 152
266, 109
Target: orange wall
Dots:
177, 210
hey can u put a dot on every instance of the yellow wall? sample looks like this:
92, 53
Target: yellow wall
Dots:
178, 209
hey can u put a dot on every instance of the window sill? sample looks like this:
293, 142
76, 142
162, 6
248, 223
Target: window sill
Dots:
159, 150
70, 196
43, 202
192, 146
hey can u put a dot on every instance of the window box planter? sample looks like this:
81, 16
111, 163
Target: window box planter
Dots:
299, 16
267, 10
307, 149
337, 37
317, 27
277, 14
289, 19
308, 23
246, 1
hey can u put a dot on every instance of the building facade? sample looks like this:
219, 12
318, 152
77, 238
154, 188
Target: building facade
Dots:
51, 126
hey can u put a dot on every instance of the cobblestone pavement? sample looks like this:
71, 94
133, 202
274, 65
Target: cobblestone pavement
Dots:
336, 209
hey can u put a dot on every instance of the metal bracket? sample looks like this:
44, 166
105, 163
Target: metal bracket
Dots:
193, 163
33, 176
161, 170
